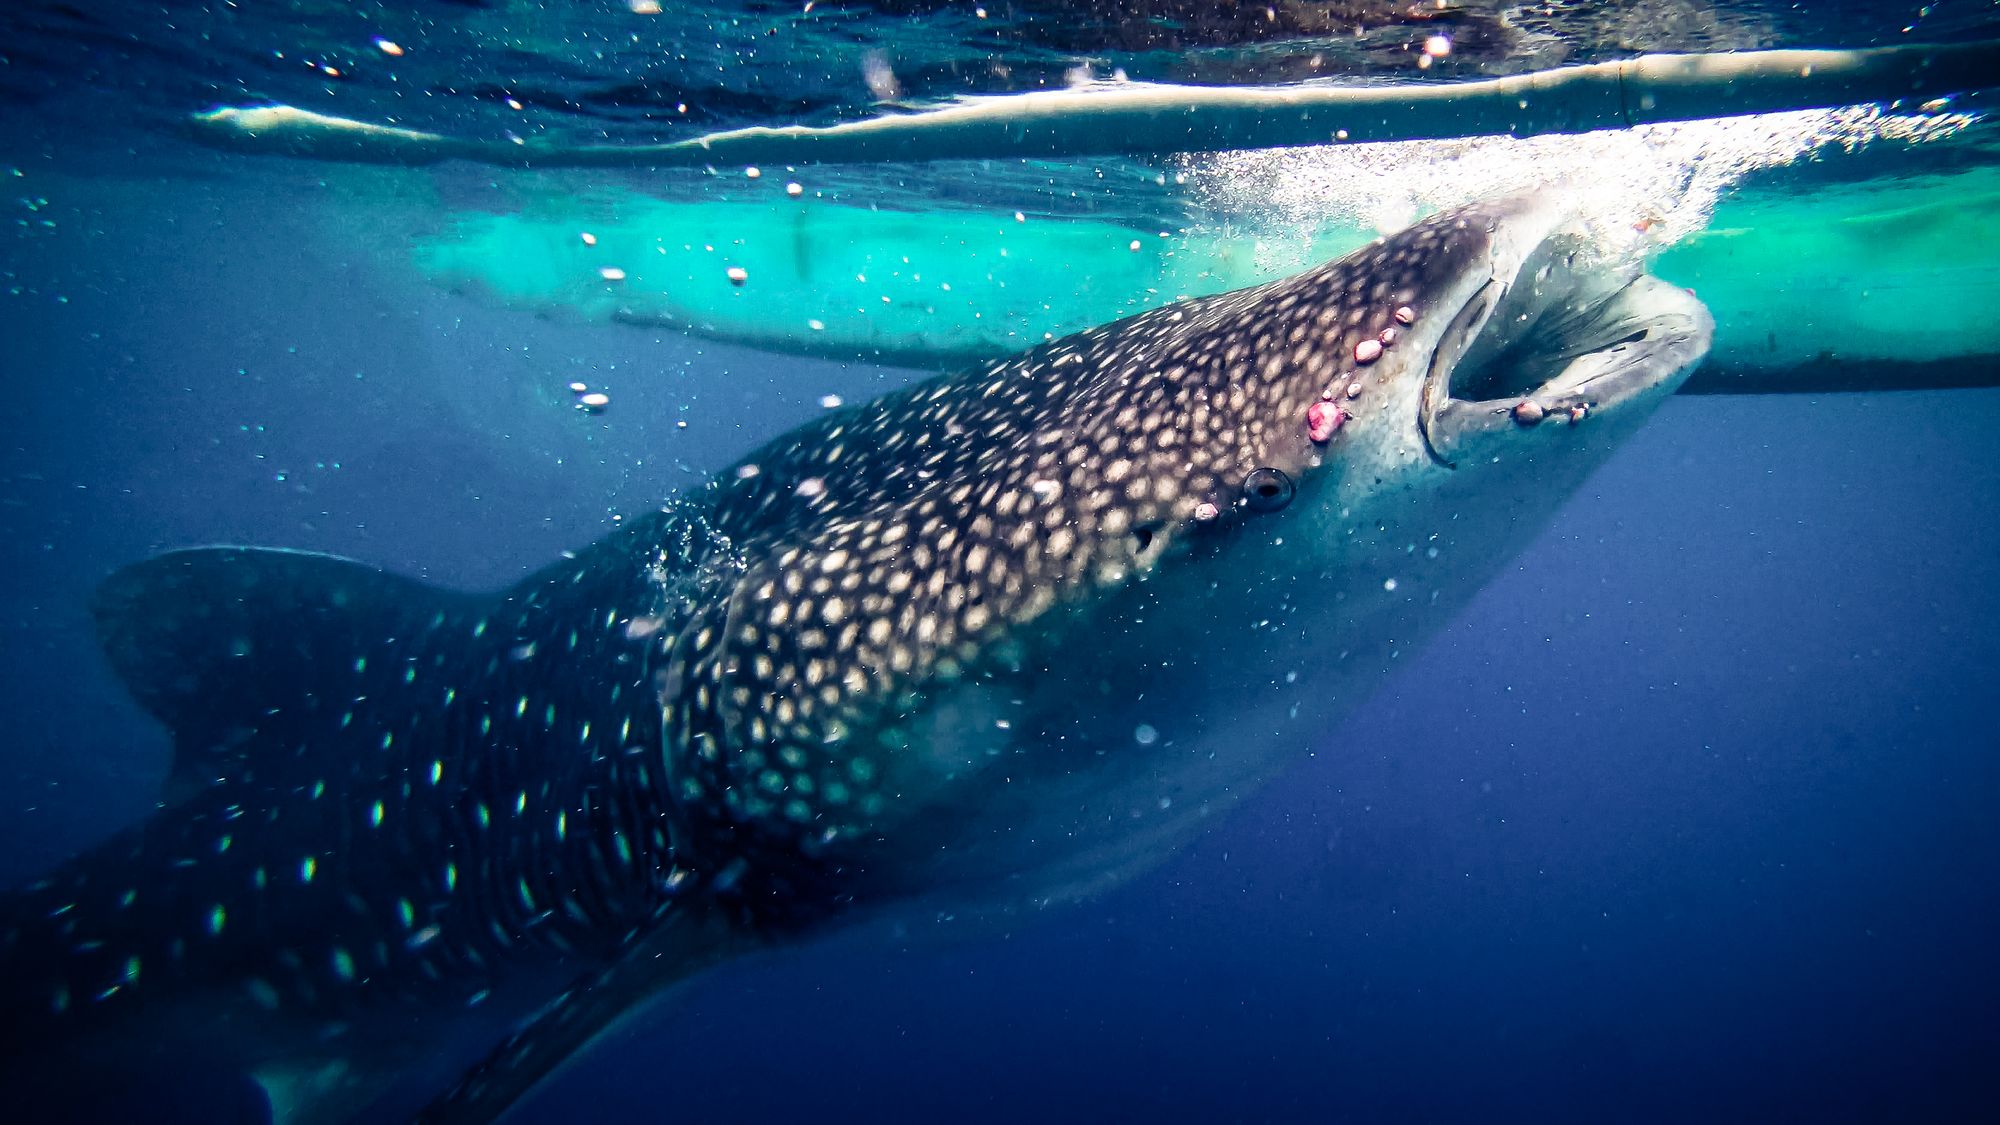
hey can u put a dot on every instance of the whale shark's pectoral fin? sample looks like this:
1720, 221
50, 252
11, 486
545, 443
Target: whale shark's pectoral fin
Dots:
598, 1005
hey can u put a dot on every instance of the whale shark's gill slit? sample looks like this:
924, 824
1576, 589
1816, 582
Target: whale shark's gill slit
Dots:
1144, 537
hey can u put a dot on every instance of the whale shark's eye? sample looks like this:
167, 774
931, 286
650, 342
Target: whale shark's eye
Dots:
1267, 490
1144, 536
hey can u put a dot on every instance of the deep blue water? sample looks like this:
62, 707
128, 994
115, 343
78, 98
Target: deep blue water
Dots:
1688, 815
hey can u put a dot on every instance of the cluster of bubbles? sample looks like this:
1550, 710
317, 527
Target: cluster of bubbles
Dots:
1655, 184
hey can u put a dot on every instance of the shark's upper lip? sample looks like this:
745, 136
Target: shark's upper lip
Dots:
1557, 333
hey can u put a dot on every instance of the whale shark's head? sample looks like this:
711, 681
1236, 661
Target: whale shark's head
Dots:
1041, 616
1509, 337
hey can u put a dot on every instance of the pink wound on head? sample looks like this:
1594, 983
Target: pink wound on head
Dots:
1322, 419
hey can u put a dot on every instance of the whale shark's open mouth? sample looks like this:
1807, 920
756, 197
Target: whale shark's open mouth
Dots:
1559, 333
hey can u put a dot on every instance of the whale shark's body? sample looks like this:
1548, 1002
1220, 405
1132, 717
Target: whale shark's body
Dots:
992, 641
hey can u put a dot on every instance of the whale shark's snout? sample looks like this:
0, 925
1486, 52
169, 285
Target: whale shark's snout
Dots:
1555, 326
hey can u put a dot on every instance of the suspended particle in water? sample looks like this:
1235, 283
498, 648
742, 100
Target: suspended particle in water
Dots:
738, 275
594, 402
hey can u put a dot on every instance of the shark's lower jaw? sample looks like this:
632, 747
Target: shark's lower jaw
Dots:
1558, 336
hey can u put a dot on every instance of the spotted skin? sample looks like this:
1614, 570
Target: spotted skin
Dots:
463, 798
909, 541
996, 638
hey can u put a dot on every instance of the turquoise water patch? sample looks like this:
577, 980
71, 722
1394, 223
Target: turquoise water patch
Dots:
1896, 270
816, 278
1899, 270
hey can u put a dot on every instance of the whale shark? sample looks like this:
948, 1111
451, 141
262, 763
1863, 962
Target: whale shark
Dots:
993, 641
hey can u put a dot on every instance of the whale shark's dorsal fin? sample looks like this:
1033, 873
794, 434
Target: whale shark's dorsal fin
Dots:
222, 643
388, 803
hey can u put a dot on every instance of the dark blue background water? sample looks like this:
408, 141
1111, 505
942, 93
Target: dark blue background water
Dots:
1690, 815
